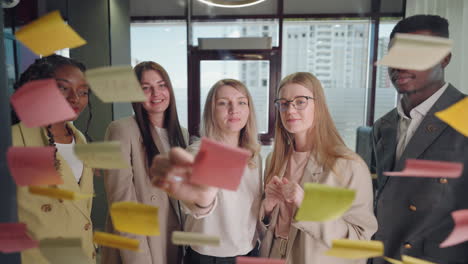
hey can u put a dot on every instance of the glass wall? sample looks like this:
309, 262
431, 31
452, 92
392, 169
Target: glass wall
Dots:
337, 53
166, 44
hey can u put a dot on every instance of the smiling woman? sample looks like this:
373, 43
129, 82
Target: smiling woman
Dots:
153, 130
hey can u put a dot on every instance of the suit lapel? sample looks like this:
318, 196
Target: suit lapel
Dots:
386, 146
430, 128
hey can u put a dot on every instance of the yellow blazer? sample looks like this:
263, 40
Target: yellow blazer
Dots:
52, 218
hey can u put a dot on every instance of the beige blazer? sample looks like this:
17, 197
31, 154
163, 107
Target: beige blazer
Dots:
307, 241
134, 184
52, 218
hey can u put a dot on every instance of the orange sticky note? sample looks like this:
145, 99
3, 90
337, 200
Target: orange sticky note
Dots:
251, 260
40, 103
219, 165
14, 238
456, 116
33, 166
460, 231
429, 169
48, 34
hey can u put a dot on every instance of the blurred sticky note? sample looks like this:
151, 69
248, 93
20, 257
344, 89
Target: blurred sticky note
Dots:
411, 260
48, 34
14, 238
135, 218
416, 52
115, 84
393, 261
40, 103
456, 116
460, 231
255, 260
355, 249
116, 241
219, 165
429, 169
63, 250
33, 166
57, 193
190, 238
101, 155
323, 202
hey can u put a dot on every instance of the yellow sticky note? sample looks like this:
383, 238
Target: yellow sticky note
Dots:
355, 249
135, 218
64, 250
393, 261
59, 193
101, 155
48, 34
456, 116
323, 202
190, 238
115, 84
411, 260
416, 52
116, 241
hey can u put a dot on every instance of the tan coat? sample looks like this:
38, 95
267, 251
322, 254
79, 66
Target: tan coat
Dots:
52, 218
308, 240
134, 184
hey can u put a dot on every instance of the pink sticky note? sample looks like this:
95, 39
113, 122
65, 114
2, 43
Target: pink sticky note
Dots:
14, 238
250, 260
219, 165
40, 103
460, 231
33, 166
429, 169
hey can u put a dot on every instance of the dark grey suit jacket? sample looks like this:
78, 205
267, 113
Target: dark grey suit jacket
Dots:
414, 214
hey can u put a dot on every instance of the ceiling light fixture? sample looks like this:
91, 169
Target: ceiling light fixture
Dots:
231, 4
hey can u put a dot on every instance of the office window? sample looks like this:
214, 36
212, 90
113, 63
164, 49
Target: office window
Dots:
344, 80
385, 94
166, 44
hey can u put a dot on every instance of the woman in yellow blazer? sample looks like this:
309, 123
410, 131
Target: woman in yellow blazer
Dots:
47, 217
308, 148
152, 130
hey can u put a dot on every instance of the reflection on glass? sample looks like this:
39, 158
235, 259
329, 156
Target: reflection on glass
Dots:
385, 94
10, 63
336, 52
236, 29
166, 44
254, 74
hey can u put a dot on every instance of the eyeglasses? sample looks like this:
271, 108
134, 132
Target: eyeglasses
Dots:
299, 103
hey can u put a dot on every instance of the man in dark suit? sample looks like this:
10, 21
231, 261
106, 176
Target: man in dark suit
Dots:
414, 214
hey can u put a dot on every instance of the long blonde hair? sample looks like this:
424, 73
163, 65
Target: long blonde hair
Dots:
327, 144
248, 134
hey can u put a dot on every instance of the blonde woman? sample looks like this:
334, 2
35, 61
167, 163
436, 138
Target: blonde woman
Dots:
228, 117
152, 130
308, 148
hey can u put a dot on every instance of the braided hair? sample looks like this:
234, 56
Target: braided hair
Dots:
44, 68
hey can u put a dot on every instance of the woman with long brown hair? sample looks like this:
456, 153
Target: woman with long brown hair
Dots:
308, 148
154, 129
229, 118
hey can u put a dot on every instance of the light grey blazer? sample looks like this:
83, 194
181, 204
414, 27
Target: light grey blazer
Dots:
134, 184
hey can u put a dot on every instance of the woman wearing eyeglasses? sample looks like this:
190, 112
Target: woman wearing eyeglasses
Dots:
308, 148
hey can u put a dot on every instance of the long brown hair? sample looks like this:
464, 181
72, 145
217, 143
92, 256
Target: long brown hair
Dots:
171, 120
248, 134
327, 144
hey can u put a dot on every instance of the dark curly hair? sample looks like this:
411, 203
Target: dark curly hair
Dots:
45, 68
438, 25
